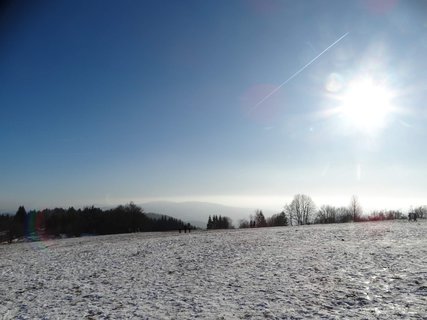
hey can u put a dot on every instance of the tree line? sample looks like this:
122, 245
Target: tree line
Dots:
260, 221
72, 222
219, 222
302, 211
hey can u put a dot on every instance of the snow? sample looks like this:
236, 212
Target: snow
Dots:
360, 271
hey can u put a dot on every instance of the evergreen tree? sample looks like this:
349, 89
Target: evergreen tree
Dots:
19, 222
260, 219
219, 222
209, 226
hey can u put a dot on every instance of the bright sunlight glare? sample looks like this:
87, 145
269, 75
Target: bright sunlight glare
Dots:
365, 105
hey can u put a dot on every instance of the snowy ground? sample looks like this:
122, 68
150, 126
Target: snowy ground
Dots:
360, 271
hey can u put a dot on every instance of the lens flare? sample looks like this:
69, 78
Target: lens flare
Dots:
334, 83
35, 231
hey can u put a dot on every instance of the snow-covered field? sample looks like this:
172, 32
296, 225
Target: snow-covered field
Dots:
361, 271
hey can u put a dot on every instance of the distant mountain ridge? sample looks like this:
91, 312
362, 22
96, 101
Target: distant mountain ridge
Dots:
197, 213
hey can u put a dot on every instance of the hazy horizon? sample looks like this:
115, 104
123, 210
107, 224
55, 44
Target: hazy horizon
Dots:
271, 204
241, 103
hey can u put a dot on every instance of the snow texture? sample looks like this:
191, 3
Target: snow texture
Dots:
343, 271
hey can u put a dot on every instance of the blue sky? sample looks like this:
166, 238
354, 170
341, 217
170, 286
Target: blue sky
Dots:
105, 102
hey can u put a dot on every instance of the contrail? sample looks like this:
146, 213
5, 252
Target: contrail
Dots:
301, 70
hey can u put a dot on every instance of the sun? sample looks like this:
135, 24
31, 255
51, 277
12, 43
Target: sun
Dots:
365, 104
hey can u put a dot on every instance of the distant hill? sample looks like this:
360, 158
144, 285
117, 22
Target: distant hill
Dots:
197, 213
157, 216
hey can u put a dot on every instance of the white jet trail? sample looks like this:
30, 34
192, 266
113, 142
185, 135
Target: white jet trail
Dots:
300, 70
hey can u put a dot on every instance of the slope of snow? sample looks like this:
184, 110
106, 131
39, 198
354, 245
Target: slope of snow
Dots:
361, 271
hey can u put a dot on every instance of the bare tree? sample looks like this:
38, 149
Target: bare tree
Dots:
244, 224
343, 215
326, 214
300, 210
355, 208
421, 212
290, 212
